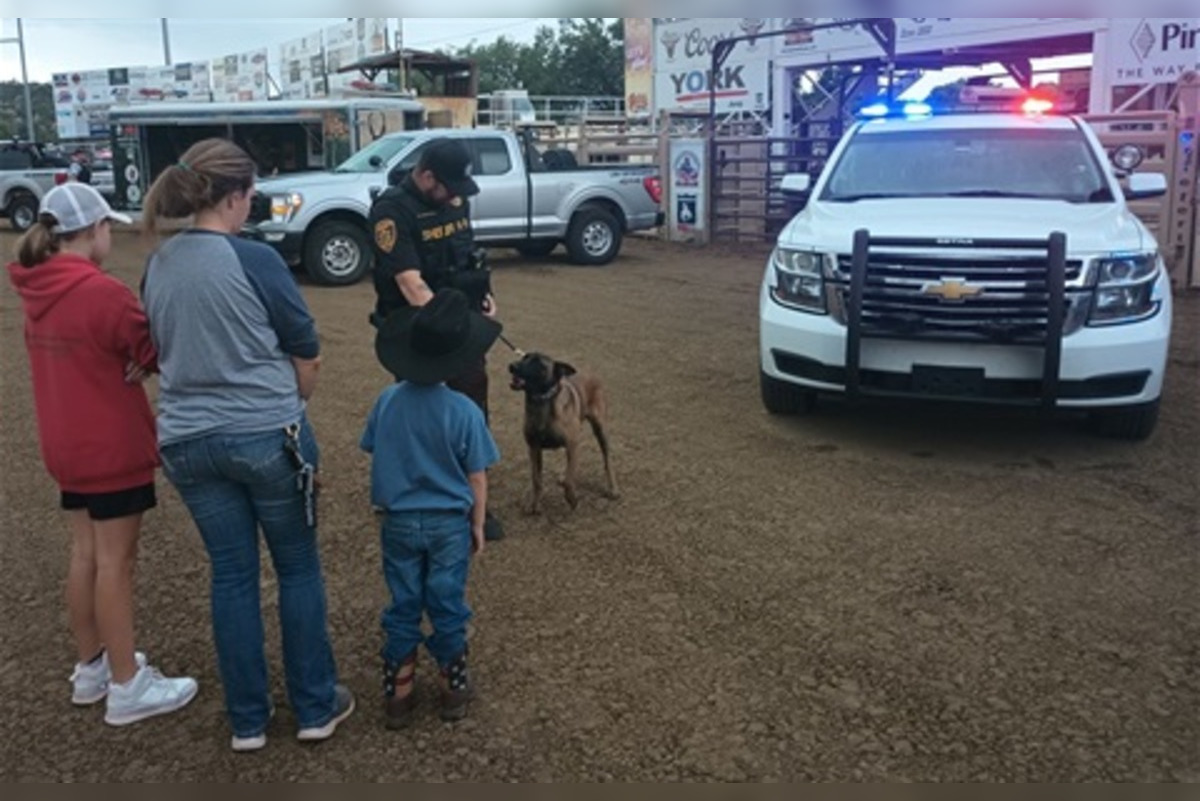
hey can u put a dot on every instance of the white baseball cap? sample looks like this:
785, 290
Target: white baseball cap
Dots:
77, 206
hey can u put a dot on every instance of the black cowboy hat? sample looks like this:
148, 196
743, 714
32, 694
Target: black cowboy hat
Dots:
435, 342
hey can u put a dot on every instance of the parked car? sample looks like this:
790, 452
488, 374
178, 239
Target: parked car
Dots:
102, 175
526, 200
987, 257
27, 171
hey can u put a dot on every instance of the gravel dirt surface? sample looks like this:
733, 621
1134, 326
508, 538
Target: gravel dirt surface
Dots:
890, 592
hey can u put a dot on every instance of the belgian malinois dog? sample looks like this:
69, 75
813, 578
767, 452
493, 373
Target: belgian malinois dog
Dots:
558, 400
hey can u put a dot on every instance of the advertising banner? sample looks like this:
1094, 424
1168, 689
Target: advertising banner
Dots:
639, 67
348, 43
683, 63
302, 68
688, 184
1151, 51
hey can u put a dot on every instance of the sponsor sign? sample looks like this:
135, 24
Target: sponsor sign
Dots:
639, 66
688, 184
684, 79
1151, 51
82, 99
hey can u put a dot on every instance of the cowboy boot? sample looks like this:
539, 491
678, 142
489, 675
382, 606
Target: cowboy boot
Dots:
400, 692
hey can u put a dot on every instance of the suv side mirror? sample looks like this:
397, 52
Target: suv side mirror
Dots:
796, 184
1145, 185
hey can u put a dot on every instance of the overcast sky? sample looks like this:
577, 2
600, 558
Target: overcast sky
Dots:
61, 45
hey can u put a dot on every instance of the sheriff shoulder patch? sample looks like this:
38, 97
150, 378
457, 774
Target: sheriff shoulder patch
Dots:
385, 235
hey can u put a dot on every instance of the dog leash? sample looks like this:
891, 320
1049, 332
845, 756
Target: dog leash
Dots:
512, 347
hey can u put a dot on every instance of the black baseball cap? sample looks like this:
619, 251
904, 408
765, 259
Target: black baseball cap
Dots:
450, 162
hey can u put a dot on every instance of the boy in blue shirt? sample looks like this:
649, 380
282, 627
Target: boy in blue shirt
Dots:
430, 450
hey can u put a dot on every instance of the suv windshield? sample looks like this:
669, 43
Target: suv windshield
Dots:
384, 149
1042, 164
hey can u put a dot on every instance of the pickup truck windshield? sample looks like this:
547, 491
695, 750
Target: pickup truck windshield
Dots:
375, 156
1040, 164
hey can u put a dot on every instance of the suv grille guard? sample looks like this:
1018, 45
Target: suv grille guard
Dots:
864, 271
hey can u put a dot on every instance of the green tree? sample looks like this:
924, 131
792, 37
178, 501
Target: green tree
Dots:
585, 56
498, 63
539, 62
593, 56
12, 111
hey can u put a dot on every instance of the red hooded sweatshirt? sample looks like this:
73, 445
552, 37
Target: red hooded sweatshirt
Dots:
82, 327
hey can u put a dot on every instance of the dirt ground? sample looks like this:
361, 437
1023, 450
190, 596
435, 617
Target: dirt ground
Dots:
891, 592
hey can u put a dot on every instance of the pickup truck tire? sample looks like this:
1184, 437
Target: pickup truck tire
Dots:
594, 236
783, 398
537, 248
23, 211
337, 253
1126, 422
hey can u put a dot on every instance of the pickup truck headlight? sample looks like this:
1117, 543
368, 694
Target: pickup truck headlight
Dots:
1125, 289
799, 279
284, 207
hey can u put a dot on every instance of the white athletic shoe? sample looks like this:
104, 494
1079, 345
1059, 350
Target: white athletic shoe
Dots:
90, 682
147, 694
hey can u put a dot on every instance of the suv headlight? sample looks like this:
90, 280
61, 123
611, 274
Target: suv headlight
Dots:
1125, 289
284, 207
799, 279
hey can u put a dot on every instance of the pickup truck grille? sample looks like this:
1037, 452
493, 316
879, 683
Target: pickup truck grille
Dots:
260, 209
973, 298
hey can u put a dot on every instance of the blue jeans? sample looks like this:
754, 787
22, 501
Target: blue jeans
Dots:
234, 485
426, 557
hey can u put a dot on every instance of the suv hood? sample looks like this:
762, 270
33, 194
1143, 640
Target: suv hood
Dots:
1090, 228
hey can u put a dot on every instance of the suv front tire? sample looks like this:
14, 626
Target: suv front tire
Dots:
781, 397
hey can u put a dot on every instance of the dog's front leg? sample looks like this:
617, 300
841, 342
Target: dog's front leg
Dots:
535, 465
571, 476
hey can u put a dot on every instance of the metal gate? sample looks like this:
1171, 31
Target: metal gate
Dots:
1169, 146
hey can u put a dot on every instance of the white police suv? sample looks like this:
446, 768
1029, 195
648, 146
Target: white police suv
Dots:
981, 257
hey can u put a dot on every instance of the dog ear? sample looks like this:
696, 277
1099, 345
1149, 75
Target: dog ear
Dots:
562, 370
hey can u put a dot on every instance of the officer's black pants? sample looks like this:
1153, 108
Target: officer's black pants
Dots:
474, 384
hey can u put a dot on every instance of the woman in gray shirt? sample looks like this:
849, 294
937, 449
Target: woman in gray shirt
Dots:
239, 356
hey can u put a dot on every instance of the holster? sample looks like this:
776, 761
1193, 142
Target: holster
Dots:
476, 284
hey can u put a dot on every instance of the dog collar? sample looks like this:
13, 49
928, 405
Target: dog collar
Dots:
549, 395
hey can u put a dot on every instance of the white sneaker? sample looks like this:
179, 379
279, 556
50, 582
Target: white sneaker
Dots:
147, 694
344, 707
244, 745
90, 682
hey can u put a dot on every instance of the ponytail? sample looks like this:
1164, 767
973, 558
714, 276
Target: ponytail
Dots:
39, 243
205, 175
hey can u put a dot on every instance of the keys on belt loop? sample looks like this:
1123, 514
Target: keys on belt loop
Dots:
306, 483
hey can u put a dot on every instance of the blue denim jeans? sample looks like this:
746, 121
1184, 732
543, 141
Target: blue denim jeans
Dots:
235, 485
426, 557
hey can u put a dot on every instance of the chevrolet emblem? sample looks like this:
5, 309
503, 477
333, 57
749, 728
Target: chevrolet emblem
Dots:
952, 290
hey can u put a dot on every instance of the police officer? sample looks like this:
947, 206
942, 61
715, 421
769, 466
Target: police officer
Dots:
423, 242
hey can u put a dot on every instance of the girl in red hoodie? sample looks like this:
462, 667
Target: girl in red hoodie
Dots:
89, 349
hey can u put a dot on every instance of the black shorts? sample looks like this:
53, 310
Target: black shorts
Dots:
111, 505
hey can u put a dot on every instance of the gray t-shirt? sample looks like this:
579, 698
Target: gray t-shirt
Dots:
226, 317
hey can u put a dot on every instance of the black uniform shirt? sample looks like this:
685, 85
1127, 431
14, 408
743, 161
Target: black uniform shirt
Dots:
412, 234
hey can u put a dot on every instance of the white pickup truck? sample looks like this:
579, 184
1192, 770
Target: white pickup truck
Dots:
527, 199
984, 257
27, 171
